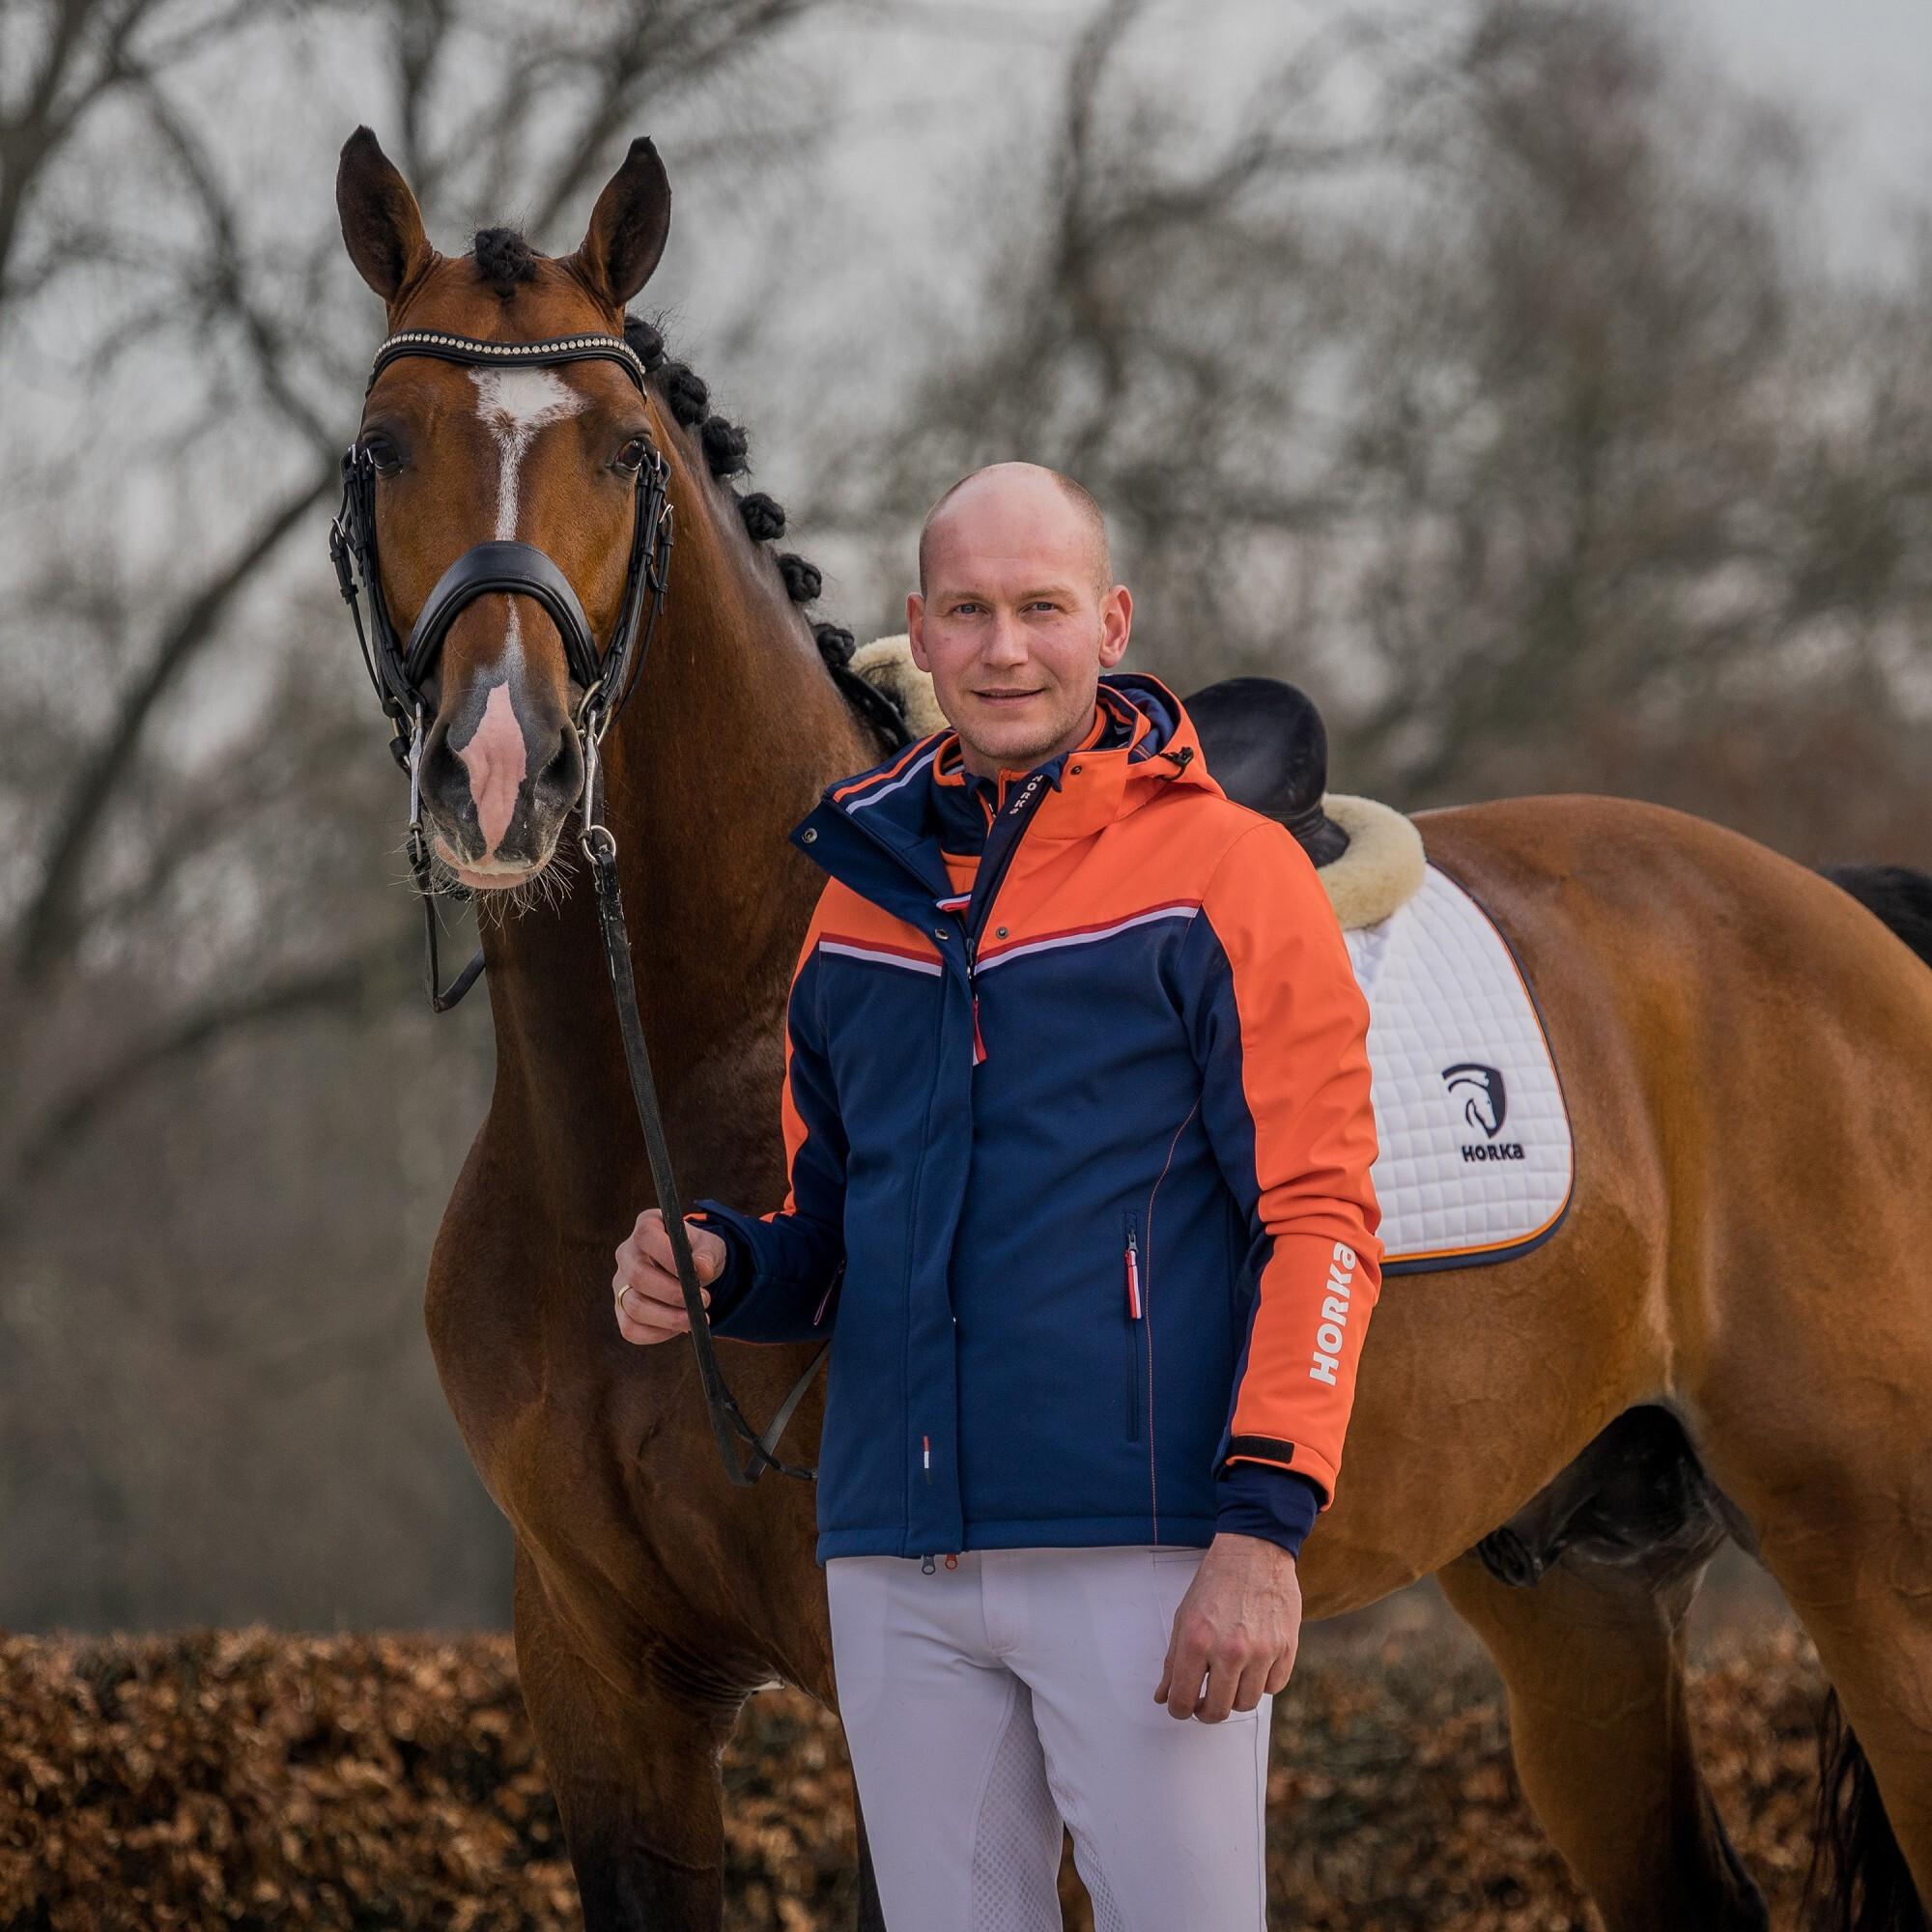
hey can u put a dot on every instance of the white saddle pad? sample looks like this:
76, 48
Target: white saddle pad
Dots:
1475, 1162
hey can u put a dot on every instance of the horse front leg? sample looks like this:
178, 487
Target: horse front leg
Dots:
634, 1777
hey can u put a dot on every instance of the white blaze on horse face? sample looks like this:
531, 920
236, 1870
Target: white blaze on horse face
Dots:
495, 760
514, 404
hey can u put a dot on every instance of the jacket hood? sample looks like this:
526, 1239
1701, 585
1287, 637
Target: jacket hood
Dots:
877, 830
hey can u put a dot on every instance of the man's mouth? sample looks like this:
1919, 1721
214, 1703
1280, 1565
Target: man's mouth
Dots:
1004, 696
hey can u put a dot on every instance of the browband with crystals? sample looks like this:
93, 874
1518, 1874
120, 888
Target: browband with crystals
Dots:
472, 349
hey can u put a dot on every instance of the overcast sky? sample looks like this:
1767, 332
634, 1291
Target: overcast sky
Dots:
1865, 67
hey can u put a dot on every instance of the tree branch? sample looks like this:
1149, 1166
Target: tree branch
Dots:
47, 926
344, 986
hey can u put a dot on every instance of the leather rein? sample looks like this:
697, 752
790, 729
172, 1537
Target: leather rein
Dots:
397, 671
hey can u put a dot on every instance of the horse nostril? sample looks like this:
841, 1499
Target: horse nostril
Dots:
449, 812
445, 782
561, 778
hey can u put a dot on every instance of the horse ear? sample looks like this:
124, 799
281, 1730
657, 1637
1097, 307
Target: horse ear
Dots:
628, 226
380, 222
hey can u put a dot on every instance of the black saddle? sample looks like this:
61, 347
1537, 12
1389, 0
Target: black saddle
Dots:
1268, 749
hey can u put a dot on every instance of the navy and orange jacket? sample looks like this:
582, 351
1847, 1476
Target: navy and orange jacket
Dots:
1078, 1130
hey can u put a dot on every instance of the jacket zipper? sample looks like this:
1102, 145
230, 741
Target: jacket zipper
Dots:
837, 1275
1134, 1327
911, 1214
1147, 1332
1001, 843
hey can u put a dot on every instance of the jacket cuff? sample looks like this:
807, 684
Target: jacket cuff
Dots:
1256, 1499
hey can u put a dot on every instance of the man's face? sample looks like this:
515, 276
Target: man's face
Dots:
1013, 625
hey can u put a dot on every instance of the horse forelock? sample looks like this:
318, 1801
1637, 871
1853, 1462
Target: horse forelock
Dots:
504, 261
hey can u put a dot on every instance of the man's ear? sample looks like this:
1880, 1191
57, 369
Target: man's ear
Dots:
628, 227
1117, 623
381, 221
916, 630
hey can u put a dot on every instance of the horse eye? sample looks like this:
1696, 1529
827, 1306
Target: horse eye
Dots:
631, 456
382, 452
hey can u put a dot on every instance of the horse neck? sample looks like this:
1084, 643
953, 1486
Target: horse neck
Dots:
731, 732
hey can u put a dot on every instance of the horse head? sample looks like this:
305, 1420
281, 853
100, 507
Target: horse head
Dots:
534, 467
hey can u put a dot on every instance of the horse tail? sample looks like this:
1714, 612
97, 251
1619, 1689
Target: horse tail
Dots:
1899, 896
1870, 1885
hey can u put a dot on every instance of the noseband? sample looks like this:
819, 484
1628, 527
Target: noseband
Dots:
606, 680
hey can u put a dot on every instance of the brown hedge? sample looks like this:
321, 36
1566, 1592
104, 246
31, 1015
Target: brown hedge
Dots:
213, 1778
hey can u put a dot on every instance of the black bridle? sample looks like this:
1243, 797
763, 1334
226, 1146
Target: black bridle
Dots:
606, 679
397, 670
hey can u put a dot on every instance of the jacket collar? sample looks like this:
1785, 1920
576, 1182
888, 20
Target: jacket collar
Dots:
878, 831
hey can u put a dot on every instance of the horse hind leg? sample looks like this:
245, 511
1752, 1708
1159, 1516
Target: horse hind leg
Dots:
1841, 1508
1581, 1599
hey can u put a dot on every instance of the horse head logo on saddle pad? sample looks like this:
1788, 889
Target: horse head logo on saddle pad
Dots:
1487, 1105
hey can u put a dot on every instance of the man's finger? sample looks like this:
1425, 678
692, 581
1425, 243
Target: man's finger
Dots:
1218, 1699
654, 1241
649, 1322
656, 1309
1190, 1661
652, 1287
1251, 1683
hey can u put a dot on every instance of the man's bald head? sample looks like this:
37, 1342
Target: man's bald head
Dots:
1020, 480
1016, 616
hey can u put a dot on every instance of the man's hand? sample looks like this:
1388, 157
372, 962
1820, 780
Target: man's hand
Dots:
650, 1302
1239, 1624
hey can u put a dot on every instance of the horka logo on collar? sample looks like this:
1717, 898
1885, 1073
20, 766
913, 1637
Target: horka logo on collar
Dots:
1484, 1105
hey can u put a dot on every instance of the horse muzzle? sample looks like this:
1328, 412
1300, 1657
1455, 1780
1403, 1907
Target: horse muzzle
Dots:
498, 781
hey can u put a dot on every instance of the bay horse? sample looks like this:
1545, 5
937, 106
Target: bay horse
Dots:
1730, 1334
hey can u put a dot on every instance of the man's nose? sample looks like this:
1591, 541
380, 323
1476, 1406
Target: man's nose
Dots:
1006, 645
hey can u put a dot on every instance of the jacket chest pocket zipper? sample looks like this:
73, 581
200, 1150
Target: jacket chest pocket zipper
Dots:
1134, 1326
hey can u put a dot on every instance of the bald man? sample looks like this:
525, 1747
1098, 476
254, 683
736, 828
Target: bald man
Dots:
1078, 1128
